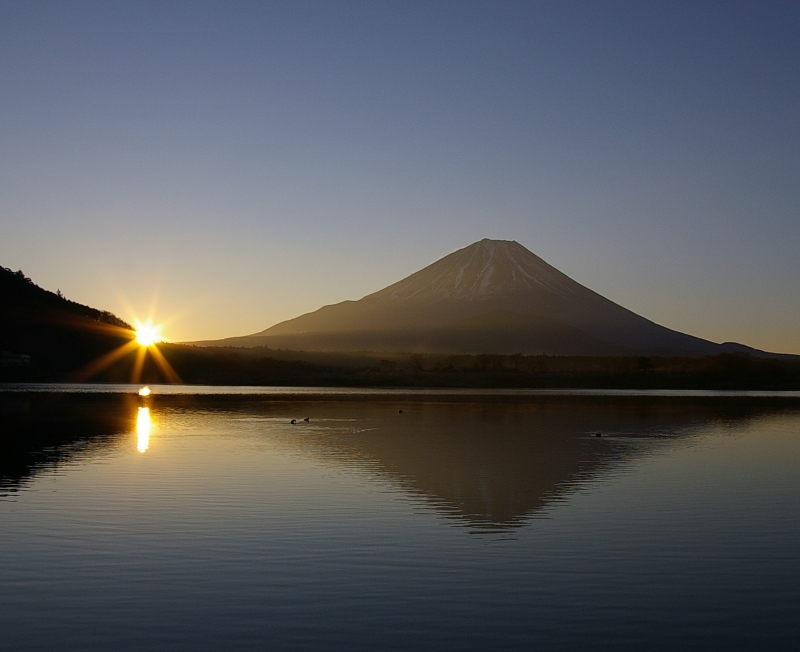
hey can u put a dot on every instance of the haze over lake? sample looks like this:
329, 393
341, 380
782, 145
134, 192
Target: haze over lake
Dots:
428, 520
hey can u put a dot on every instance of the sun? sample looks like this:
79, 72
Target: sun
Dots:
142, 341
147, 334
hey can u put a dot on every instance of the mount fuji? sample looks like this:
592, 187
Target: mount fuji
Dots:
493, 296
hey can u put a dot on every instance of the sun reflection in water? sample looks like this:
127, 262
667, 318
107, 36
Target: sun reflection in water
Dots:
143, 426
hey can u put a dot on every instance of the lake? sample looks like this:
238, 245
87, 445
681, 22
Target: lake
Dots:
203, 518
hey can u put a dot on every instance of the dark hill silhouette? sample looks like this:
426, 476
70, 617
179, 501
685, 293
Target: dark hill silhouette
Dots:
493, 296
45, 337
20, 293
56, 333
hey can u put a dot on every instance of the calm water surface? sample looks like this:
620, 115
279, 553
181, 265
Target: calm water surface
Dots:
465, 522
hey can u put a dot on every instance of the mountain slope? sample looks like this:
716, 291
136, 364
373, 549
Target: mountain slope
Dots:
56, 333
493, 296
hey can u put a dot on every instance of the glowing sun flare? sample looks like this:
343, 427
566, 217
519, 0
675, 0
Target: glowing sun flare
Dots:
147, 335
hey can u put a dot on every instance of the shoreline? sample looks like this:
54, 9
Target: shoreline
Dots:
221, 393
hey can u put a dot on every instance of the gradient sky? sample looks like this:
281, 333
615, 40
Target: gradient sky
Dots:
234, 164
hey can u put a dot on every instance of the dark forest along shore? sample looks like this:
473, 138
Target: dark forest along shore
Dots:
427, 521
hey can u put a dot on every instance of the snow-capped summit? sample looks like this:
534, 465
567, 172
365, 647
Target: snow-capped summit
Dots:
489, 268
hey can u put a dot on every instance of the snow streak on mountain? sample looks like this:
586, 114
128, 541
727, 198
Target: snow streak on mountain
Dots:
488, 269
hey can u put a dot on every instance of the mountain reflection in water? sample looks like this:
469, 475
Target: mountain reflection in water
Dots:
43, 431
488, 465
496, 466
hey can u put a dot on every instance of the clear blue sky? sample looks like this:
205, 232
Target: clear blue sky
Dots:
235, 164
